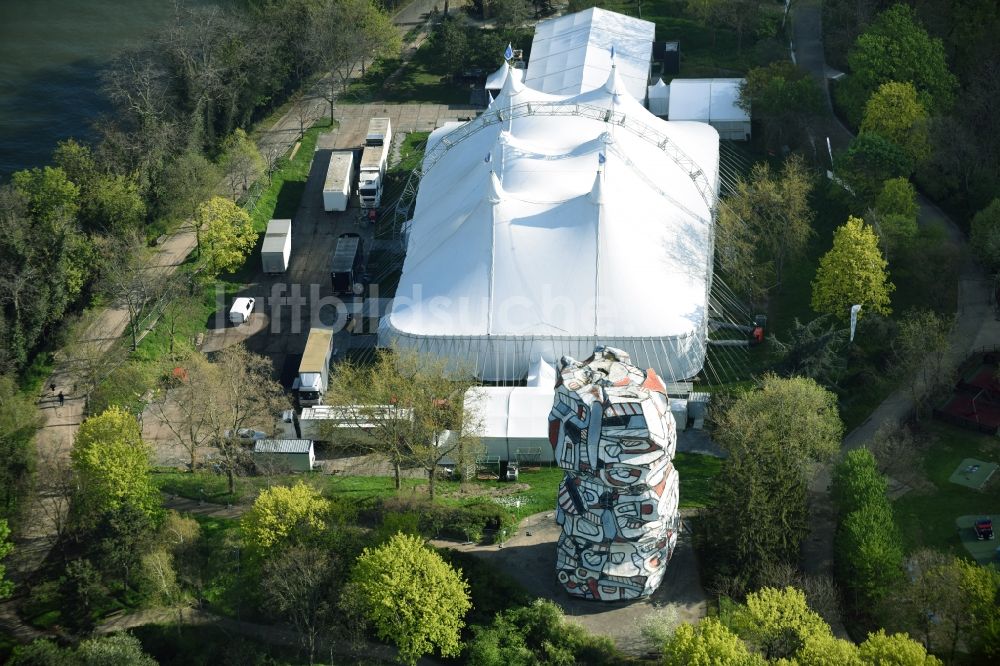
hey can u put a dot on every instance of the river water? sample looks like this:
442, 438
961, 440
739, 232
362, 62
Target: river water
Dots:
51, 56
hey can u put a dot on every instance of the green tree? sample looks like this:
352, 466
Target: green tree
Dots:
121, 649
412, 597
895, 650
759, 515
81, 591
852, 272
451, 41
343, 52
511, 13
893, 111
765, 223
868, 554
824, 649
122, 537
241, 162
52, 197
919, 349
784, 97
6, 586
796, 413
857, 482
405, 401
896, 213
708, 643
895, 47
19, 420
777, 622
813, 350
188, 181
112, 467
226, 236
870, 160
536, 634
898, 196
301, 586
985, 236
284, 516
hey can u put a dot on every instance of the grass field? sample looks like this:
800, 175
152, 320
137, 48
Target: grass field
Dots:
927, 519
696, 472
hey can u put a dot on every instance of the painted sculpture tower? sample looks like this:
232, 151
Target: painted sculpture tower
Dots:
613, 433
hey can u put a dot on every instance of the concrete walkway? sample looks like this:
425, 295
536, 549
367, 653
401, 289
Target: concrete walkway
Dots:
976, 323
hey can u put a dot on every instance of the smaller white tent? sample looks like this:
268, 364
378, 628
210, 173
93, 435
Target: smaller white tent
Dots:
712, 101
571, 54
659, 98
513, 421
495, 81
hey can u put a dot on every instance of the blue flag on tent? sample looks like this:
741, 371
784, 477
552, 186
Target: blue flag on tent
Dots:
489, 158
601, 159
612, 51
509, 53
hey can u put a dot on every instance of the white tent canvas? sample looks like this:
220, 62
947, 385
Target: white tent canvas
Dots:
495, 81
547, 234
513, 420
571, 54
712, 101
658, 98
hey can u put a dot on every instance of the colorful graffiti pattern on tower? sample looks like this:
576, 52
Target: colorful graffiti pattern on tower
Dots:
612, 431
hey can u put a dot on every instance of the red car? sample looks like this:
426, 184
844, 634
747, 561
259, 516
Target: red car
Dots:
983, 528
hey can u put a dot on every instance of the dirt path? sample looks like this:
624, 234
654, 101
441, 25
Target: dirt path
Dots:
976, 324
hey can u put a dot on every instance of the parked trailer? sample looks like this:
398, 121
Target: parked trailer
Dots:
319, 423
339, 181
374, 159
347, 264
277, 248
314, 369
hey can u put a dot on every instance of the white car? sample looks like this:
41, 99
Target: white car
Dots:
246, 435
241, 310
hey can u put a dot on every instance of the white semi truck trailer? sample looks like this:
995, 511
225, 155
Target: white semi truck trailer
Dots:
374, 159
339, 181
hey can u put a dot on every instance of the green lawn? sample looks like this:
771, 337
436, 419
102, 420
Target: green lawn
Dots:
421, 79
696, 473
927, 518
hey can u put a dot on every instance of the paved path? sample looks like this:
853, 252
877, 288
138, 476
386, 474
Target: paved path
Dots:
976, 324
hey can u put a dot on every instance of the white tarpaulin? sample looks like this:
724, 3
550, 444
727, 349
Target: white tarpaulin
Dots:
495, 81
658, 97
513, 420
547, 234
571, 54
712, 101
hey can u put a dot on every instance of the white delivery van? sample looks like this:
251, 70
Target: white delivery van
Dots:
240, 312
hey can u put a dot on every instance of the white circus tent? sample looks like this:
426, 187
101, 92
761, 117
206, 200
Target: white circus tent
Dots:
551, 224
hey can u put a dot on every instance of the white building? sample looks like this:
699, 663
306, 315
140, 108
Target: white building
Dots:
712, 101
571, 54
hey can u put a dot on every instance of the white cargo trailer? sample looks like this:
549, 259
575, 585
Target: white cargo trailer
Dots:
339, 181
277, 248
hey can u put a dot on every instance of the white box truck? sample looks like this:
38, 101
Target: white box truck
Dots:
374, 159
277, 247
314, 369
339, 181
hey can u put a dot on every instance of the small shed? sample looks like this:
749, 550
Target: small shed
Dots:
659, 98
514, 421
712, 101
294, 455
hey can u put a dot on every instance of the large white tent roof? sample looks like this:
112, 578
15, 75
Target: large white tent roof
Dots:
524, 244
706, 100
571, 54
